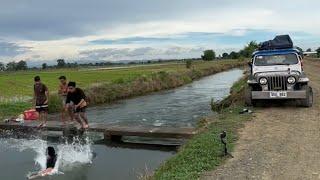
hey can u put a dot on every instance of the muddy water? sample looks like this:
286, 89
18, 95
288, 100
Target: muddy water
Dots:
84, 161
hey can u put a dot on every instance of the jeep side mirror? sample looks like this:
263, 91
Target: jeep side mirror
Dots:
250, 64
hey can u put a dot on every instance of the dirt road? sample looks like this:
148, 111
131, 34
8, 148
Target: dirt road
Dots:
279, 143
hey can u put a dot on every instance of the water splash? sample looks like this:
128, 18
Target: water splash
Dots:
70, 154
73, 154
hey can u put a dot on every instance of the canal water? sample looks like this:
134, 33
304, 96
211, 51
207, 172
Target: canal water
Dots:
83, 161
178, 107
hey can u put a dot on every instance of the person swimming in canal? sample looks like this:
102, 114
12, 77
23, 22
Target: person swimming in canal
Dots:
50, 164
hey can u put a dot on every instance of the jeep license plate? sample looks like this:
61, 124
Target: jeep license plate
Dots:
276, 94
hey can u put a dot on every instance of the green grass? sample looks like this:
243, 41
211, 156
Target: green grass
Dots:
203, 152
239, 85
21, 83
11, 109
16, 84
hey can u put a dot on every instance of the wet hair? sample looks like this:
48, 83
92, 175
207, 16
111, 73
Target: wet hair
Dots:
62, 77
72, 84
37, 78
51, 152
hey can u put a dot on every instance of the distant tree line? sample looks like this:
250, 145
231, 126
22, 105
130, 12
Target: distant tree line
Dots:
14, 66
316, 54
61, 63
246, 52
208, 55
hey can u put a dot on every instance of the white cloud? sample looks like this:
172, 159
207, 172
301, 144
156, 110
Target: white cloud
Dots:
10, 49
142, 53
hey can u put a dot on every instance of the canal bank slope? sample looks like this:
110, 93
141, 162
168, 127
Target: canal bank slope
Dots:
161, 80
279, 142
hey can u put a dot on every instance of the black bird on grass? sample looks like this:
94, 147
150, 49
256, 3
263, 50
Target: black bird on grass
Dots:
223, 136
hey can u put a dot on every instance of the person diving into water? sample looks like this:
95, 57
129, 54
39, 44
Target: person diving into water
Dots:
50, 164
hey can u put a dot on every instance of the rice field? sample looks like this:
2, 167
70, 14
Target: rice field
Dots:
19, 85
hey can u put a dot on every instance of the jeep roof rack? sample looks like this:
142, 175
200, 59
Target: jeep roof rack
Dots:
279, 42
276, 52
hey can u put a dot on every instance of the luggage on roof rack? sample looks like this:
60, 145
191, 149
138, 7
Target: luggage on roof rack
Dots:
279, 42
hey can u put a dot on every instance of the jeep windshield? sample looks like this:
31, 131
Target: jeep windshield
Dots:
270, 60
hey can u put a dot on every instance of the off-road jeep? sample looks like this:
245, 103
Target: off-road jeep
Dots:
278, 74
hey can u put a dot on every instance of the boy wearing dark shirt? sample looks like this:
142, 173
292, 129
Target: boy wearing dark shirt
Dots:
41, 95
76, 98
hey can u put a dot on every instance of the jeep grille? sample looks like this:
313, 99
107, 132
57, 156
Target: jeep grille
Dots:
277, 83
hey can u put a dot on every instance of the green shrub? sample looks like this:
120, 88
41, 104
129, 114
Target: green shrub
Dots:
55, 103
188, 63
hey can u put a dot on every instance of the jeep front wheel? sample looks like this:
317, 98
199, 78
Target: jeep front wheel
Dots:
308, 101
248, 96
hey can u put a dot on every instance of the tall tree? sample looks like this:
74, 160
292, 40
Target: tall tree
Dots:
208, 55
318, 52
61, 63
11, 66
249, 49
21, 65
309, 50
225, 55
234, 55
44, 66
2, 67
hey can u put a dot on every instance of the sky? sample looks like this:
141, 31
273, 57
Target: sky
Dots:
111, 30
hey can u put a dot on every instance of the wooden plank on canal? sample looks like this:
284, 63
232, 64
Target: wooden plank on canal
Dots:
113, 130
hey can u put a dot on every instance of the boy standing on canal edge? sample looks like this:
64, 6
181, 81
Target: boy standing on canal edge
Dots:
77, 99
41, 97
63, 92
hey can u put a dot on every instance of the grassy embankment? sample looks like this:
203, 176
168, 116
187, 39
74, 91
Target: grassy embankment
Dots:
103, 86
203, 152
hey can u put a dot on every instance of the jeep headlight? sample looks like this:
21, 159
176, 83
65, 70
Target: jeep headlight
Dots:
291, 80
263, 81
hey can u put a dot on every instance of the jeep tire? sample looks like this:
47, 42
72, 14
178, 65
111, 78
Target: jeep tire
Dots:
308, 101
248, 96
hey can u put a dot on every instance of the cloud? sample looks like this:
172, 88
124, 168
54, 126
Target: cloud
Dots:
47, 20
132, 40
142, 53
9, 49
51, 20
235, 38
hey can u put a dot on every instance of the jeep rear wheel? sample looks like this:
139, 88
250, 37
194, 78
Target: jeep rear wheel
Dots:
308, 101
